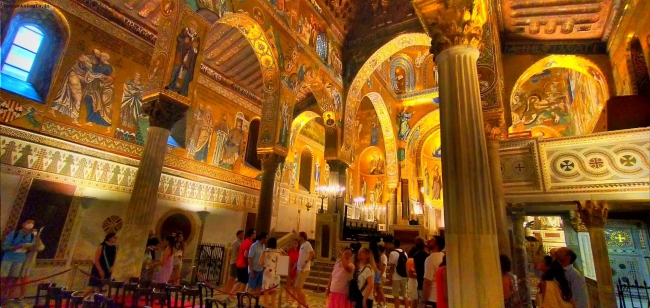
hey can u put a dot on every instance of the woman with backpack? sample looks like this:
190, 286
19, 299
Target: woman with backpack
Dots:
337, 288
363, 282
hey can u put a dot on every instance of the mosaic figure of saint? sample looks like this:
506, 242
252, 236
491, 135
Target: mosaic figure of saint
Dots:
222, 131
234, 144
404, 129
295, 164
364, 189
426, 180
187, 50
437, 183
99, 93
374, 134
131, 106
286, 124
201, 135
379, 190
68, 100
327, 175
317, 172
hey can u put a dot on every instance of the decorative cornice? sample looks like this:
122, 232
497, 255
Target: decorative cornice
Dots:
222, 79
81, 8
229, 94
594, 47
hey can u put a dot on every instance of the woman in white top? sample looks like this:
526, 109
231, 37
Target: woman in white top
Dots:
554, 290
178, 259
365, 277
271, 278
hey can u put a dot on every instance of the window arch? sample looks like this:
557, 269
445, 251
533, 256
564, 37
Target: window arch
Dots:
251, 150
321, 45
405, 72
31, 48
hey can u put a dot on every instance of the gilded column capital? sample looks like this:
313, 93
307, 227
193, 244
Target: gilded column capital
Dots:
593, 213
575, 221
458, 23
163, 111
271, 161
516, 209
494, 130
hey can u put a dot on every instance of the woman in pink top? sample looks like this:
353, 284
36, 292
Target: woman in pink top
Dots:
337, 288
441, 284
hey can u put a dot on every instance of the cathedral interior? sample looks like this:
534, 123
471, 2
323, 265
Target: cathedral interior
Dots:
330, 117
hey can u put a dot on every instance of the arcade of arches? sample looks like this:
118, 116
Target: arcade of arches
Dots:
525, 131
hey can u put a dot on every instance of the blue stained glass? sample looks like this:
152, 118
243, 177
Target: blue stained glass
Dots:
14, 72
321, 45
28, 38
20, 58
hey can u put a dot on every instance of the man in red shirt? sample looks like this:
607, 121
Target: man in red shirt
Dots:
242, 263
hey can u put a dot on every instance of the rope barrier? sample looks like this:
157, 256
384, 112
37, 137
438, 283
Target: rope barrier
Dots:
300, 304
37, 280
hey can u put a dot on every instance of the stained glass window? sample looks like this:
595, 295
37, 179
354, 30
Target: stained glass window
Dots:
22, 52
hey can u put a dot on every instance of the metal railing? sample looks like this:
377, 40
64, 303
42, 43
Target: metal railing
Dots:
633, 295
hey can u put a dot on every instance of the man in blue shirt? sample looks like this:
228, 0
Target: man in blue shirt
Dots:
15, 248
255, 270
566, 257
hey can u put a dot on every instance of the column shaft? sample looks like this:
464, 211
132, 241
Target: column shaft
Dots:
470, 231
270, 164
496, 182
594, 215
392, 208
406, 204
520, 256
142, 206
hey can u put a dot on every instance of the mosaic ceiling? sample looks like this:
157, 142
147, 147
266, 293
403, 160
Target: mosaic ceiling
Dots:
557, 19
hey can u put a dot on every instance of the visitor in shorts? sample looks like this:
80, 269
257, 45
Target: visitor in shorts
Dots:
15, 248
234, 253
242, 264
398, 281
255, 270
303, 266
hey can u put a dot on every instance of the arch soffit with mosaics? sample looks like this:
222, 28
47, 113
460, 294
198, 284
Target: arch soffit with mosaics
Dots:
390, 142
425, 127
354, 94
299, 122
267, 58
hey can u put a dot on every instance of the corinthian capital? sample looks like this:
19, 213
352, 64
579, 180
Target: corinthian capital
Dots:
593, 213
494, 130
271, 161
163, 111
457, 23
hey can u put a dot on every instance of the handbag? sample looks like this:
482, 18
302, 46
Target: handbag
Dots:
355, 294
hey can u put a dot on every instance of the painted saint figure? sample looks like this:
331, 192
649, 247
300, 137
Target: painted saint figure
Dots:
364, 189
68, 100
234, 144
337, 100
131, 107
222, 131
374, 134
201, 135
327, 174
295, 164
99, 93
379, 190
437, 183
317, 172
187, 50
427, 180
286, 123
404, 128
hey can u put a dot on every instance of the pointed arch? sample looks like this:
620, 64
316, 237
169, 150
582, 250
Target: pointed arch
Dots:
299, 122
354, 96
266, 55
421, 132
390, 142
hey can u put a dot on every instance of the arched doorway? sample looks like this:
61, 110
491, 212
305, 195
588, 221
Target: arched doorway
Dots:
639, 68
306, 163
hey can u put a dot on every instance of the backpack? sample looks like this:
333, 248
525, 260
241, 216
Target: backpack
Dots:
354, 293
2, 251
401, 263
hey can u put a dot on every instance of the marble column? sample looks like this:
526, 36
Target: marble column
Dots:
163, 112
420, 192
470, 229
337, 179
270, 163
594, 215
494, 133
520, 256
392, 208
406, 204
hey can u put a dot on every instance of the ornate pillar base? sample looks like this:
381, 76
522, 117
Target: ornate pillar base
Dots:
163, 113
470, 230
270, 163
594, 216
